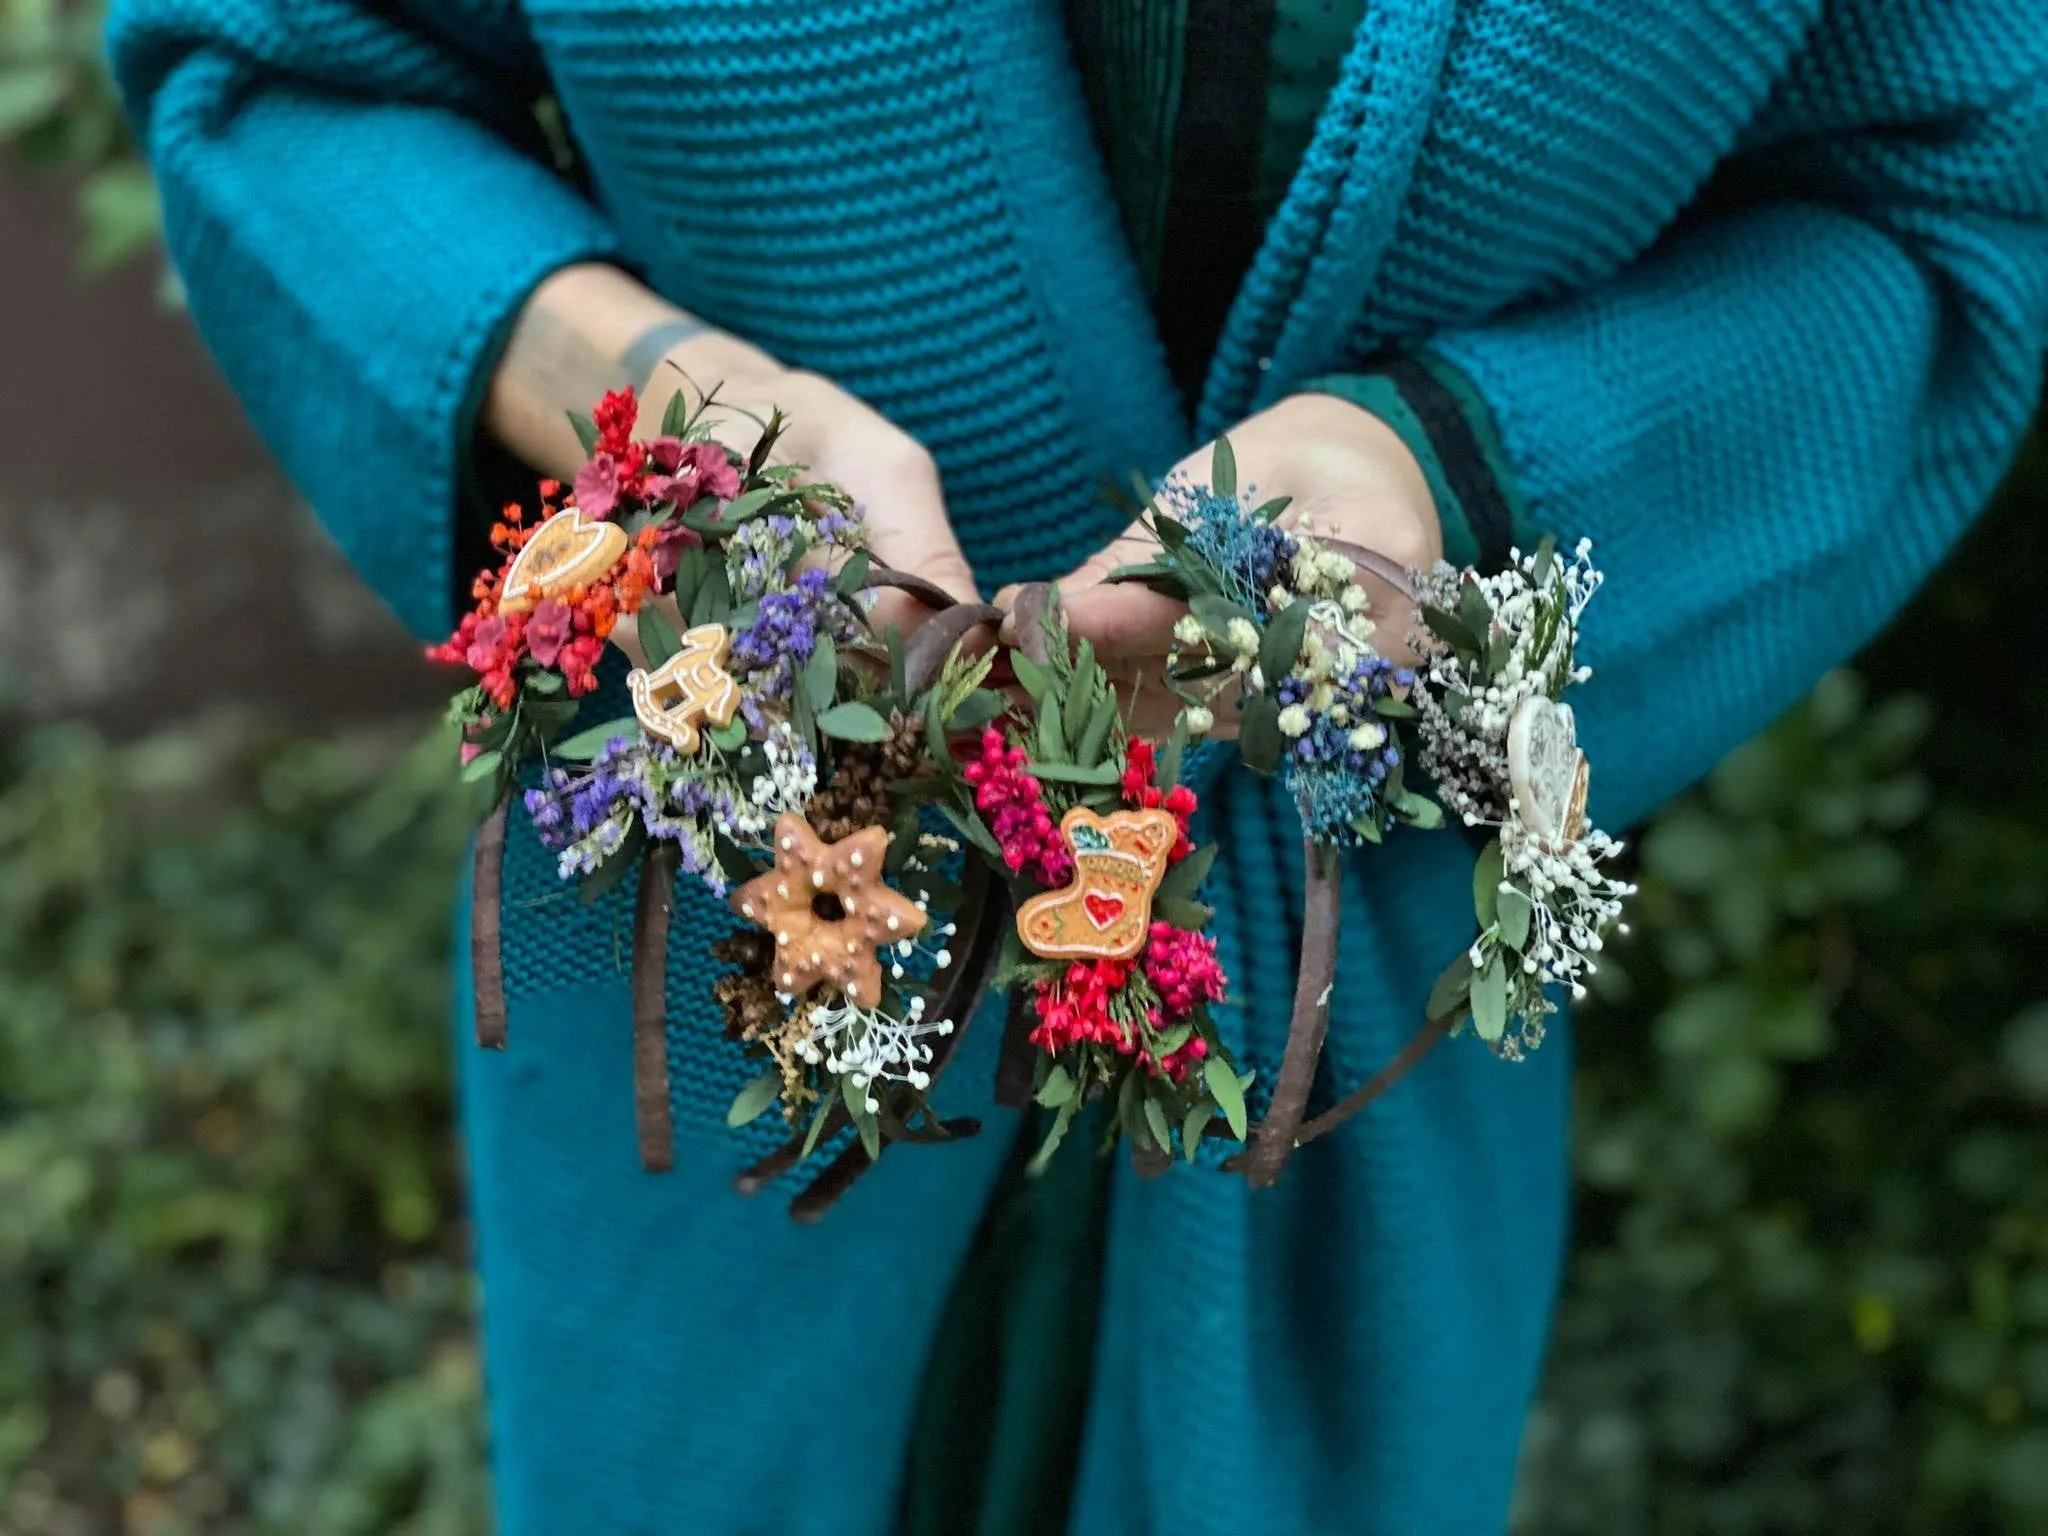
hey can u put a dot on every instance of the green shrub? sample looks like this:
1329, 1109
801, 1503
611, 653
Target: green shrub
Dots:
233, 1295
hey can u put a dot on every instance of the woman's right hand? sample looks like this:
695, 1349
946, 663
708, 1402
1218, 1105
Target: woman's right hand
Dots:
592, 328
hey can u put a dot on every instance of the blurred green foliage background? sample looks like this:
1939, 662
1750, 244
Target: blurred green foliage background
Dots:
1809, 1291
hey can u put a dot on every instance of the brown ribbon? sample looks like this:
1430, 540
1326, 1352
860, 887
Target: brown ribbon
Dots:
486, 954
652, 909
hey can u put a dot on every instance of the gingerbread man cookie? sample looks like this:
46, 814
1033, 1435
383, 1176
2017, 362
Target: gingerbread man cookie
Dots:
1119, 860
828, 909
691, 688
565, 551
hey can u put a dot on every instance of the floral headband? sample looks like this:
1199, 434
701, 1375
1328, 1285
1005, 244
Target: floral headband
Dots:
894, 834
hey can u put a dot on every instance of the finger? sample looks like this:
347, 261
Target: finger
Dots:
1125, 621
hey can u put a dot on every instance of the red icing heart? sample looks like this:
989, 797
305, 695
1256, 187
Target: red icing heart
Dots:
1102, 909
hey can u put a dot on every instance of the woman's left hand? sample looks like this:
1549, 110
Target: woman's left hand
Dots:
1350, 477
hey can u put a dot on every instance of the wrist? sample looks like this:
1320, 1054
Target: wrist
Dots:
1365, 461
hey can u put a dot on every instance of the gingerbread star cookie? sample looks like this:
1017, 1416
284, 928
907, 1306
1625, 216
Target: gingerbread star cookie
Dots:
691, 688
1119, 860
828, 910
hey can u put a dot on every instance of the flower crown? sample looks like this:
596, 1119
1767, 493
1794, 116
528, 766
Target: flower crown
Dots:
894, 832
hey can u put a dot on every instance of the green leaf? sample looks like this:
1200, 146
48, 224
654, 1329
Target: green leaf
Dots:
1172, 533
733, 862
586, 432
1490, 1000
1222, 1085
1214, 612
1546, 559
754, 1099
1155, 1122
729, 737
1418, 811
713, 601
1176, 747
1223, 469
745, 508
481, 767
817, 1128
1182, 913
1391, 708
971, 828
1474, 611
585, 745
855, 1098
1185, 879
1033, 678
613, 869
1453, 989
1054, 1137
1073, 773
1193, 1126
674, 418
899, 683
978, 708
1082, 694
1281, 646
870, 1134
1269, 511
821, 674
1057, 1088
690, 572
658, 637
1486, 877
1259, 741
853, 575
1515, 912
1450, 629
853, 721
1052, 741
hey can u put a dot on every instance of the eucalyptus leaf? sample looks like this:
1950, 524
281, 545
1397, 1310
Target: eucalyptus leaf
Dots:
1486, 877
1176, 747
1515, 912
754, 1099
1450, 629
821, 674
1074, 773
658, 637
1223, 1087
675, 417
853, 575
1052, 741
585, 745
482, 766
1061, 1122
1214, 613
1453, 988
713, 602
1269, 511
586, 432
1490, 1000
1259, 740
1057, 1088
1280, 648
1223, 469
1155, 1122
1193, 1126
853, 721
1182, 913
613, 869
729, 737
1185, 878
817, 1128
1082, 694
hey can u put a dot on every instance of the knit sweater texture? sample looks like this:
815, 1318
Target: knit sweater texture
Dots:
1755, 290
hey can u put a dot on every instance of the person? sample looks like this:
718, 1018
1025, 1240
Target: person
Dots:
1749, 292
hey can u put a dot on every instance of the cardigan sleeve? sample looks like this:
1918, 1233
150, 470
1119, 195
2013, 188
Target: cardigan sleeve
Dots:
357, 203
1774, 425
1440, 418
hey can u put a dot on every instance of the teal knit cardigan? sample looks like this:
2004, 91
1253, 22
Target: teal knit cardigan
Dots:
1755, 291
